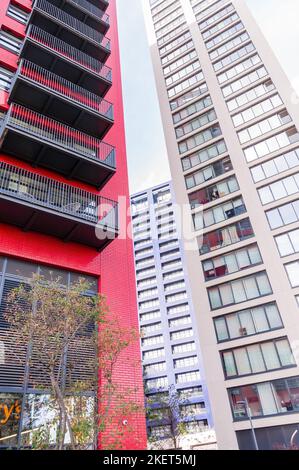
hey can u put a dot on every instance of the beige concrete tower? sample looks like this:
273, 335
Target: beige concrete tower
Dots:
231, 123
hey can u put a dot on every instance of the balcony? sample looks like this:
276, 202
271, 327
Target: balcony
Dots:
45, 92
40, 204
86, 12
73, 31
47, 143
102, 4
61, 58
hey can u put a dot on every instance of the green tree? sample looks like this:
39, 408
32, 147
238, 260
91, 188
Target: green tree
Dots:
163, 409
68, 331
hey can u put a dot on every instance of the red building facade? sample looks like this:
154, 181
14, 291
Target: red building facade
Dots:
62, 126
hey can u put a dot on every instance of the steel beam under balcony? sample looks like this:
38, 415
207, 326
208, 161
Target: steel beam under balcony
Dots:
49, 94
59, 57
73, 31
86, 12
47, 143
40, 204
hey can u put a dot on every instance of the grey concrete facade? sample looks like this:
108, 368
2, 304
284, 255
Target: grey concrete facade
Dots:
257, 180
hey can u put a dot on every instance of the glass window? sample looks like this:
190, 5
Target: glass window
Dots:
285, 353
258, 358
231, 263
5, 78
229, 363
219, 213
215, 298
189, 96
226, 294
248, 322
293, 273
260, 319
233, 57
280, 189
263, 284
20, 268
239, 395
183, 72
251, 288
271, 144
294, 238
221, 329
247, 325
242, 362
233, 324
288, 243
10, 42
240, 290
273, 316
185, 84
265, 399
10, 409
17, 14
293, 389
225, 237
275, 216
270, 356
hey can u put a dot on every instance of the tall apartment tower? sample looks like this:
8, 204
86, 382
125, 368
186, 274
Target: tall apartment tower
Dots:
62, 168
231, 125
169, 343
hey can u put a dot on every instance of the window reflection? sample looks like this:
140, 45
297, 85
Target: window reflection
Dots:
265, 399
10, 409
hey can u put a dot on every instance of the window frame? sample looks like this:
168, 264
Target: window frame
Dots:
237, 313
273, 341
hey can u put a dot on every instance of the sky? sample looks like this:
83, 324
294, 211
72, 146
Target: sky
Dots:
146, 149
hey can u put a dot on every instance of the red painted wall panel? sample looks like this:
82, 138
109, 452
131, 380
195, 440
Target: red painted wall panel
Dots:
118, 273
114, 266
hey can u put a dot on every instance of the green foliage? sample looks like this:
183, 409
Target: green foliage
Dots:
54, 319
164, 408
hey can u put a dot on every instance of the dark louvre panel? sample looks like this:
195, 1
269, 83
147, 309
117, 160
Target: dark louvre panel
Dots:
76, 366
13, 352
81, 359
38, 375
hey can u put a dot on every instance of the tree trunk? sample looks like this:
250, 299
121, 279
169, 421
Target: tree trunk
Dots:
174, 437
64, 413
60, 430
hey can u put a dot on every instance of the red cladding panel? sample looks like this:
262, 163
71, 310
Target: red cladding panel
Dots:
115, 265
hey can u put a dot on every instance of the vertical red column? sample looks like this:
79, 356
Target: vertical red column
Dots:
114, 266
117, 262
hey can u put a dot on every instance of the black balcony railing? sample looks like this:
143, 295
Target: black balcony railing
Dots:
49, 143
79, 58
63, 198
76, 99
71, 23
55, 202
47, 129
88, 7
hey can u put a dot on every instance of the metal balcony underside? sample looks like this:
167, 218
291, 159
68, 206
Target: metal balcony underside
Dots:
47, 143
57, 56
85, 12
49, 94
102, 4
66, 27
35, 203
